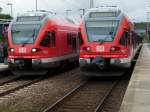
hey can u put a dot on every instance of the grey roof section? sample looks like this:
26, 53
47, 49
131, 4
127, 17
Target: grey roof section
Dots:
44, 16
119, 16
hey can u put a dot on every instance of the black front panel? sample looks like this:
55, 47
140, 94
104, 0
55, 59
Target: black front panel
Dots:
23, 63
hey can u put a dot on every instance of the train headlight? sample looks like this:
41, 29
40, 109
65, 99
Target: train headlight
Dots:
12, 50
87, 49
114, 49
34, 50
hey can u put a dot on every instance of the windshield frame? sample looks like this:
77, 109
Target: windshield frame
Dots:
33, 30
106, 36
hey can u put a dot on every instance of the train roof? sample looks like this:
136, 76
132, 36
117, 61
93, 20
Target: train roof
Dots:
104, 13
39, 18
105, 9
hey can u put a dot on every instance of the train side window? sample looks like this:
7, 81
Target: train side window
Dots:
47, 40
53, 39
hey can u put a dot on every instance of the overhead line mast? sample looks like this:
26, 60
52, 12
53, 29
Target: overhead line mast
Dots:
91, 3
36, 5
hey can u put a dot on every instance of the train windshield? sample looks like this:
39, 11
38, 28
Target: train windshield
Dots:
24, 33
98, 31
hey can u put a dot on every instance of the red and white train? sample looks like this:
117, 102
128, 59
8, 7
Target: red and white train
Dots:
40, 41
107, 39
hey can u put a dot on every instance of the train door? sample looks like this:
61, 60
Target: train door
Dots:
128, 41
131, 44
62, 43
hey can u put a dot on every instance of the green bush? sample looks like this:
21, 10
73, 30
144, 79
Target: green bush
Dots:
5, 16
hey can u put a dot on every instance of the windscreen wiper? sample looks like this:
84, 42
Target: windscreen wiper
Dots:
25, 42
34, 34
102, 41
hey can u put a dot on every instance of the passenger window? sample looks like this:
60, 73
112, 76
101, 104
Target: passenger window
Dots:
71, 40
46, 41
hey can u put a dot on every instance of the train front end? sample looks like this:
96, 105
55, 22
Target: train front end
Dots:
102, 34
26, 56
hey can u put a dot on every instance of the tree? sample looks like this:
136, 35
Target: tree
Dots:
5, 16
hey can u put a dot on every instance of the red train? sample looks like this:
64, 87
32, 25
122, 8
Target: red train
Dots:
107, 39
41, 41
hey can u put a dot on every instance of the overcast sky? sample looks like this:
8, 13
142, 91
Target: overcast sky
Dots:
135, 9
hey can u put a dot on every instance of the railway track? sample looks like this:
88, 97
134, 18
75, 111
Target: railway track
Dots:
15, 83
8, 79
12, 83
87, 97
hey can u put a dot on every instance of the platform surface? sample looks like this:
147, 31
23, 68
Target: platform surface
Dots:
137, 96
3, 67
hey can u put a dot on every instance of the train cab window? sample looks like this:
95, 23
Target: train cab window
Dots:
126, 34
80, 39
125, 38
53, 39
47, 40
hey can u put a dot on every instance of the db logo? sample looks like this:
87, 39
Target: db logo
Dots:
22, 50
